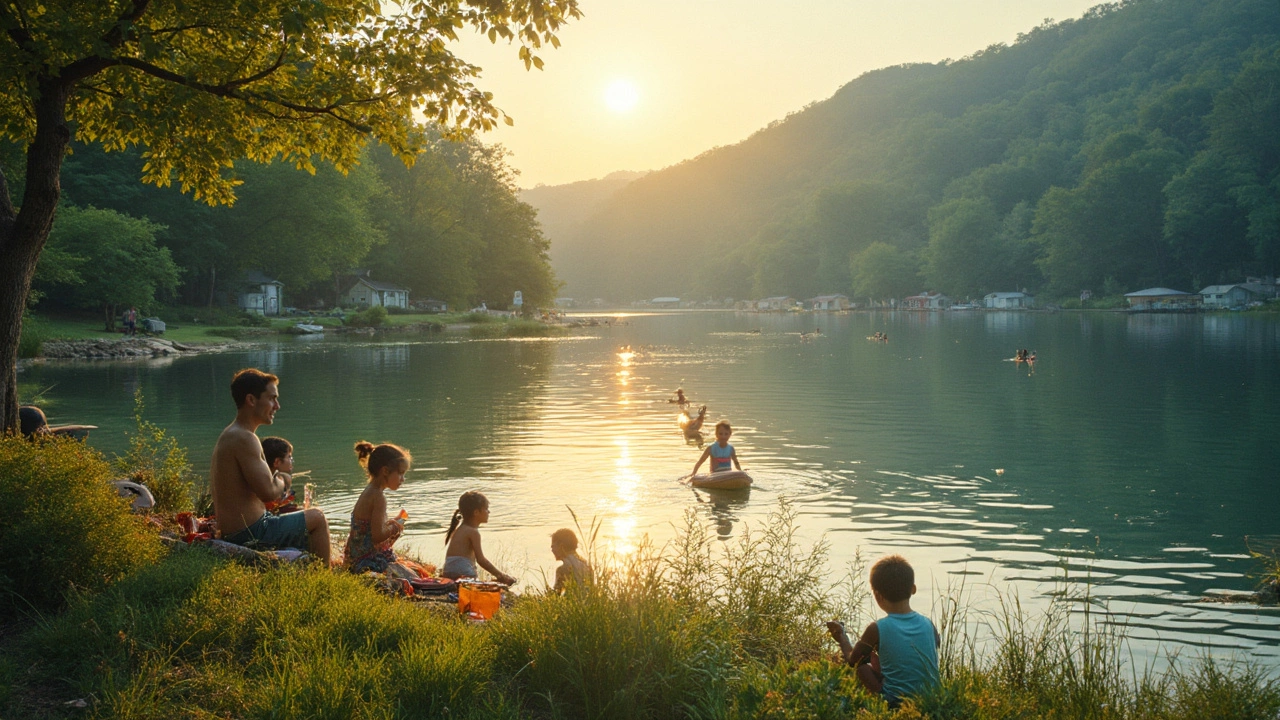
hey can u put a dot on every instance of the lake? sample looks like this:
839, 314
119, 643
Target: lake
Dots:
1134, 459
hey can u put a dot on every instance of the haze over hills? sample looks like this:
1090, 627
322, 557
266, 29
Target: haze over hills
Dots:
1137, 145
563, 208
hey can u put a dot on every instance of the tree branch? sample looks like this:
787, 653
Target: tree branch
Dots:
115, 36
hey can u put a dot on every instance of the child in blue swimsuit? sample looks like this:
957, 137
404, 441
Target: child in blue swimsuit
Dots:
722, 454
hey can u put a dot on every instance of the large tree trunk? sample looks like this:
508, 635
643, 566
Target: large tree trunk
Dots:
22, 236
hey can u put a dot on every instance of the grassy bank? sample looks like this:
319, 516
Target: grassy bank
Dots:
697, 629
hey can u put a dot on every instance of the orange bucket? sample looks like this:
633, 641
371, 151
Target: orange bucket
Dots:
480, 598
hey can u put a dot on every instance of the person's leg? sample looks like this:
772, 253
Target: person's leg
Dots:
318, 542
869, 675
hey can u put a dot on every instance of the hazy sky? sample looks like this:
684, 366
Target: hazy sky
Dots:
643, 84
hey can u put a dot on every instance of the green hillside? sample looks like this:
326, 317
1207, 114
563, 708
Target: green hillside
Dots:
1135, 146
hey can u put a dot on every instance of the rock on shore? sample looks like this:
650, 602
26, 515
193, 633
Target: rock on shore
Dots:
122, 349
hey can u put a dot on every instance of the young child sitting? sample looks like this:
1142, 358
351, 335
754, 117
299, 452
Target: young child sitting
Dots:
463, 552
372, 532
573, 570
722, 454
279, 456
900, 650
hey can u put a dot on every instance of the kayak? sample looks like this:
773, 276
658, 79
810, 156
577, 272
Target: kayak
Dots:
723, 480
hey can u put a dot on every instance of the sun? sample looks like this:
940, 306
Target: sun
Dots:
621, 96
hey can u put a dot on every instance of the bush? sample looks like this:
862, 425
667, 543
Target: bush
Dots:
62, 524
34, 333
369, 317
156, 460
515, 329
251, 319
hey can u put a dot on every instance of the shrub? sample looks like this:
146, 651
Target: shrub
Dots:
34, 333
62, 524
156, 460
369, 317
251, 319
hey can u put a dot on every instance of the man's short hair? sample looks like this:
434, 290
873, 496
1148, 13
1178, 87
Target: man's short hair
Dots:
274, 448
250, 381
565, 538
31, 420
893, 578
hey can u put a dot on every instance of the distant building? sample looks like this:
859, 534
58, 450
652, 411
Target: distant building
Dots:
1008, 300
665, 302
260, 294
432, 305
778, 302
1240, 294
564, 302
364, 291
829, 302
1162, 299
927, 301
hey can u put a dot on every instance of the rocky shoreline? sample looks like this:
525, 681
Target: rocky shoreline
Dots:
122, 349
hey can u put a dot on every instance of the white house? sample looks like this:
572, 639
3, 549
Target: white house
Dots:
830, 302
1227, 296
667, 302
1008, 300
260, 294
365, 292
1160, 298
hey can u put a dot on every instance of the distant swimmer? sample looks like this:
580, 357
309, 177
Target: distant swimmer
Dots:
679, 399
692, 426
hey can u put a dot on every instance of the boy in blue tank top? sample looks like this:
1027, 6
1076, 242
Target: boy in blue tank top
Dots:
896, 656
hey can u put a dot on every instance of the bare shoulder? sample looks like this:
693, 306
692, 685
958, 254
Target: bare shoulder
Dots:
238, 441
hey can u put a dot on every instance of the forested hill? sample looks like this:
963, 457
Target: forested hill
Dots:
1138, 145
563, 208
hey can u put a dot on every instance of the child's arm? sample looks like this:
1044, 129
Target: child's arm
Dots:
705, 454
855, 653
483, 562
381, 529
734, 455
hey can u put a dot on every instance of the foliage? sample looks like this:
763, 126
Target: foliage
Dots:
369, 317
155, 459
515, 329
1137, 142
112, 261
34, 333
62, 525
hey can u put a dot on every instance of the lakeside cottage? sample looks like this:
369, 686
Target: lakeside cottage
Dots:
1237, 295
1160, 299
927, 301
829, 302
665, 302
779, 302
367, 292
260, 294
1008, 300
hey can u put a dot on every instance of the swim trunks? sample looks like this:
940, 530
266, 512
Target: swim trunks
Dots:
457, 566
274, 531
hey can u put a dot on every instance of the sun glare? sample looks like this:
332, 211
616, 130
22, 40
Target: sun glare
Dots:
621, 96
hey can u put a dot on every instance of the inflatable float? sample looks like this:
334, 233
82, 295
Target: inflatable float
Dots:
723, 480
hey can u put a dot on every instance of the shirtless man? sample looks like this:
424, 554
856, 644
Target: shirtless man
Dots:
241, 481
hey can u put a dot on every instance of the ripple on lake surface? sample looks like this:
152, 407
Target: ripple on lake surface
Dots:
1128, 469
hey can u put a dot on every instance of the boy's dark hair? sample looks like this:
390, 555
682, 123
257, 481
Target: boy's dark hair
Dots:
250, 381
565, 538
893, 577
274, 448
725, 424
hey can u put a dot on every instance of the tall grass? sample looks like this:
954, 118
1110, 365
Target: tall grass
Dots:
155, 459
695, 629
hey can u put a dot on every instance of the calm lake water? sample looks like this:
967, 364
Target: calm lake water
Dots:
1137, 457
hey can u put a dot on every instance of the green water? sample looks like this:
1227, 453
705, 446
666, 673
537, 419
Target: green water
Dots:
1138, 455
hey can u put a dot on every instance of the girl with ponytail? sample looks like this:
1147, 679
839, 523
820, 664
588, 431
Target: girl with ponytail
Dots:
372, 533
463, 539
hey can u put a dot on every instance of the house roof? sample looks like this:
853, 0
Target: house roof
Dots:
376, 285
829, 297
1215, 289
665, 300
778, 297
1007, 295
1155, 292
256, 277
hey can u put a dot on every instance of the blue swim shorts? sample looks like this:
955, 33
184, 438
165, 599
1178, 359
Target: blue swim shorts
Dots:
274, 532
